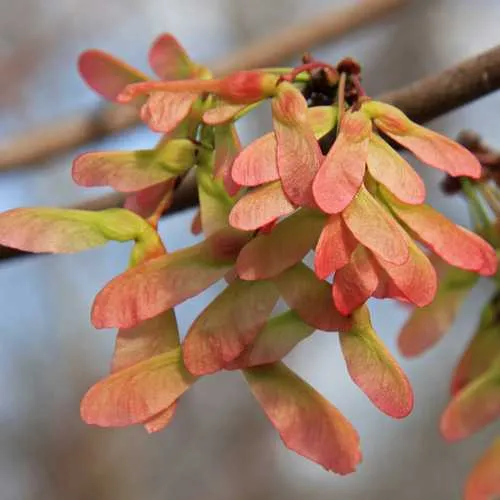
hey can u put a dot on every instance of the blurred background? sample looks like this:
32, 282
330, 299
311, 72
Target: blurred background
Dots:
220, 446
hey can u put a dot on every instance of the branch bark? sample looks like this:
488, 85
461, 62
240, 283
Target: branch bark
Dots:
50, 140
422, 101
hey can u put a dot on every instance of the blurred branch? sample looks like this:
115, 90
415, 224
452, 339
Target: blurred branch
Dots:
422, 101
438, 94
41, 144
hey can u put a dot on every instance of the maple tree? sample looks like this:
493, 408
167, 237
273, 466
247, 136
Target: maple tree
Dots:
328, 179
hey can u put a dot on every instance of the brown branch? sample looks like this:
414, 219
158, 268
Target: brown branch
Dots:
423, 100
438, 94
40, 145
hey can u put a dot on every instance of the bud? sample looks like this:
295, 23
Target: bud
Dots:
245, 87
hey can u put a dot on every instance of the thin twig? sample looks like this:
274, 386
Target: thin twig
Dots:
38, 146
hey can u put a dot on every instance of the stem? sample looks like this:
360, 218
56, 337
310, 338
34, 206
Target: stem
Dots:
278, 70
164, 204
491, 197
305, 77
341, 98
478, 213
357, 85
203, 145
308, 67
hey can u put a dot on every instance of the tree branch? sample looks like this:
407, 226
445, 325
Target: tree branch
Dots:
423, 100
438, 94
40, 145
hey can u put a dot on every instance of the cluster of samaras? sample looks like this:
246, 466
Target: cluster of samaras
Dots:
359, 207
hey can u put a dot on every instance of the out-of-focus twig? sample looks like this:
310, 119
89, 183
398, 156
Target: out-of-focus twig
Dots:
52, 139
